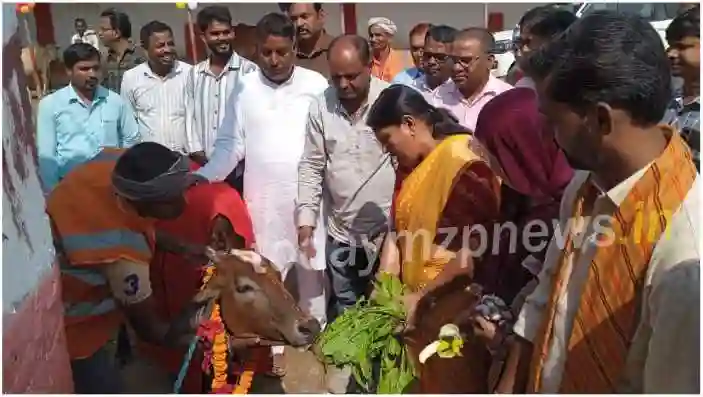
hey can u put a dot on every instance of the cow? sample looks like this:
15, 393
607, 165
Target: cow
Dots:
36, 61
465, 374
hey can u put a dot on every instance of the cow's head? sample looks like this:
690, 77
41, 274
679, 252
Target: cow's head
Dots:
254, 304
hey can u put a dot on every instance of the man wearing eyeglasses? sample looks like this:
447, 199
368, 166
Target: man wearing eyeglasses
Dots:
471, 85
115, 32
436, 65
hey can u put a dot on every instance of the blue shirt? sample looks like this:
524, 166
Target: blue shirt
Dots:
407, 76
70, 132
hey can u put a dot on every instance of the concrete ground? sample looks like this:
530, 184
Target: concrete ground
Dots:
304, 375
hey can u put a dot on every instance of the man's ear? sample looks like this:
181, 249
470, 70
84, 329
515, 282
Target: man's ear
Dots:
603, 122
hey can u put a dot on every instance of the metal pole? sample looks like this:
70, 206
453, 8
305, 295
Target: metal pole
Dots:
191, 32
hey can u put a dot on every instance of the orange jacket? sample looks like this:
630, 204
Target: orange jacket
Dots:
92, 228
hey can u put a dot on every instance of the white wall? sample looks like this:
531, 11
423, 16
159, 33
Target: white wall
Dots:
27, 249
459, 15
141, 13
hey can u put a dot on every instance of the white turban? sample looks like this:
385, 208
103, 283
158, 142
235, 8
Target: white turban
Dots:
384, 23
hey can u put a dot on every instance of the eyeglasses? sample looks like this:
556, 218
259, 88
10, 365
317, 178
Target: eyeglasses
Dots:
437, 56
464, 62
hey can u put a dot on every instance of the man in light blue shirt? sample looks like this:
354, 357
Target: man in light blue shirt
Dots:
77, 121
417, 43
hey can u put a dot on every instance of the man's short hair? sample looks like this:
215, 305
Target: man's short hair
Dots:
359, 43
687, 24
77, 20
79, 52
483, 35
441, 33
275, 24
118, 21
547, 21
285, 7
211, 14
150, 28
420, 28
615, 58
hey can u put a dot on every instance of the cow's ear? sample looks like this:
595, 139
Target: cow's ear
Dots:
214, 255
211, 291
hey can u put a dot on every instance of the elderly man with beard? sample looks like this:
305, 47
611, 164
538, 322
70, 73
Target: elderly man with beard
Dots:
210, 83
154, 89
386, 62
81, 118
313, 41
345, 163
267, 127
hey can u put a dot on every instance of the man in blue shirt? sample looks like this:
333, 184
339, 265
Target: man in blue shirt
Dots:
417, 43
77, 121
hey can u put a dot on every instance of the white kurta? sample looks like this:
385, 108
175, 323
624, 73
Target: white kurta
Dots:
267, 127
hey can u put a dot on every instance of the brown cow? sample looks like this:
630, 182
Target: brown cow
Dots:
467, 374
38, 69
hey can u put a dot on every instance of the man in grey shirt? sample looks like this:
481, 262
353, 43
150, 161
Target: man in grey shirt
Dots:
343, 160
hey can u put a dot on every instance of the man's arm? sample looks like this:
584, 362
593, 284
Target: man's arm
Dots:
229, 144
311, 170
673, 357
128, 128
131, 287
127, 95
46, 145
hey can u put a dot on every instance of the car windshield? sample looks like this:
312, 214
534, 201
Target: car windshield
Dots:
649, 11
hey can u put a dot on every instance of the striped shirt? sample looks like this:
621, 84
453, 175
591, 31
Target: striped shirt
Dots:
206, 95
158, 104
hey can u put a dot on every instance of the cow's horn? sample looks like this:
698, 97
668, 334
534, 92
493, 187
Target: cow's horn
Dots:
212, 254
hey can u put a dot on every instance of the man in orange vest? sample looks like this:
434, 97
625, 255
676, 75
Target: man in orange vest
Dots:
103, 215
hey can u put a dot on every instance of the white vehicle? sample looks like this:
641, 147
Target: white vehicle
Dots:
659, 15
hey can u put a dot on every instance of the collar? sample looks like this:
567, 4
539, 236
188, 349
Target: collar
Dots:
492, 88
233, 64
177, 69
421, 84
375, 87
264, 80
321, 46
129, 50
100, 94
385, 61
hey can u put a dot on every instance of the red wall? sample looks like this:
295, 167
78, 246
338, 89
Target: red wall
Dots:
34, 355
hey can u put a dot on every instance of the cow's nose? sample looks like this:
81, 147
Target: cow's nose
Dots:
309, 328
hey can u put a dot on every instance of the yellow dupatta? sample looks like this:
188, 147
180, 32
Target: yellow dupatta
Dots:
419, 205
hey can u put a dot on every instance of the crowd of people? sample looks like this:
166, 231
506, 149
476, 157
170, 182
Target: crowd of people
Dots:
361, 160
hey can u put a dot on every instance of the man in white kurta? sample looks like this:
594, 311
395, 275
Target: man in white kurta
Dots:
266, 123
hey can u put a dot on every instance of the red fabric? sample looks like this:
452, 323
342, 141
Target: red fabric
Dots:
512, 128
174, 280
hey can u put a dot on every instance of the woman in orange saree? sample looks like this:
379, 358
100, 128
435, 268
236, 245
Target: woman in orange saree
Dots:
451, 188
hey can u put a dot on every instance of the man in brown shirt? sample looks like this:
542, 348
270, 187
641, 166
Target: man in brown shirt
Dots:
115, 32
313, 41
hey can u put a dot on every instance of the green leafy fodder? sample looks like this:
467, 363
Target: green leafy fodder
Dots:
363, 338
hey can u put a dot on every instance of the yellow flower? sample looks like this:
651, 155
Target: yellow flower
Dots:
181, 6
448, 345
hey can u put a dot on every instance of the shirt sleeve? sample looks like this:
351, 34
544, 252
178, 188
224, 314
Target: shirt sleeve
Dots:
311, 169
673, 359
193, 143
127, 94
46, 145
129, 281
229, 143
129, 130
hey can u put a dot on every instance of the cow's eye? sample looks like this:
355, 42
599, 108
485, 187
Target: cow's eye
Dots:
244, 288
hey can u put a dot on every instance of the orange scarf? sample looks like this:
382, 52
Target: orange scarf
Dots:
608, 314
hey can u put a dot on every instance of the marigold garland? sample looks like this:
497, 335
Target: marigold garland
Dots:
214, 335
